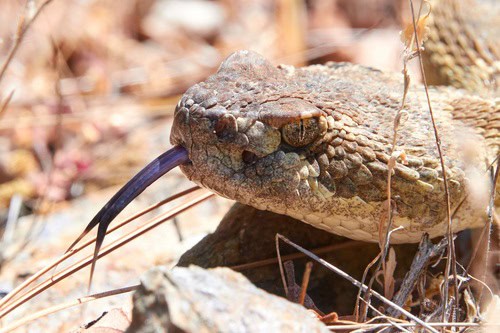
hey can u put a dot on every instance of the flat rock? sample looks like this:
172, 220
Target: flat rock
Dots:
194, 299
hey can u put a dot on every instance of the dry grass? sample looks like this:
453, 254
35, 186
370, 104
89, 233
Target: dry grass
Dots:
22, 294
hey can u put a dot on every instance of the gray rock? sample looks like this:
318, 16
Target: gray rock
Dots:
194, 299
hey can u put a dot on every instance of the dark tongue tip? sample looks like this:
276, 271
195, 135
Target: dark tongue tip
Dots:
148, 175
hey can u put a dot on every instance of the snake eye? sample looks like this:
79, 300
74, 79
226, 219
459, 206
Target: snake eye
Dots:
303, 131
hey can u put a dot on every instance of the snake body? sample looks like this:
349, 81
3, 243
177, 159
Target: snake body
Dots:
316, 142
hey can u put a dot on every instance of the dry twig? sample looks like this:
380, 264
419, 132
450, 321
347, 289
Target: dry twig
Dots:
426, 251
451, 259
4, 301
23, 27
305, 282
149, 225
355, 282
5, 104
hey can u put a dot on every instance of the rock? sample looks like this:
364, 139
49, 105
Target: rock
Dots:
194, 299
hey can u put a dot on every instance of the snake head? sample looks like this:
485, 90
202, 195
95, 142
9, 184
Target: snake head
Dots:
315, 143
246, 130
235, 134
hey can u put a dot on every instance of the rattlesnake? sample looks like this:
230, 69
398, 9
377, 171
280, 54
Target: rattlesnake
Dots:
315, 142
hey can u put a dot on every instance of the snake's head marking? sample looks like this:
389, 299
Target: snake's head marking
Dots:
246, 130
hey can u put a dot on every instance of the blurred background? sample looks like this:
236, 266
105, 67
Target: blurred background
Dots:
87, 100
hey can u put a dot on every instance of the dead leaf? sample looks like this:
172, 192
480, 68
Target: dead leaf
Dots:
408, 33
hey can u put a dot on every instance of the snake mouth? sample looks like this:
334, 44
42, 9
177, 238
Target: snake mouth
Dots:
175, 156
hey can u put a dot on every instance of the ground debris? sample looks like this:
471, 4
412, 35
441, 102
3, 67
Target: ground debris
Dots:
245, 241
114, 321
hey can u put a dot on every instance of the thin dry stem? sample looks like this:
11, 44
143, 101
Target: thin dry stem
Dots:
54, 264
280, 265
451, 259
298, 255
151, 224
355, 282
5, 104
371, 327
385, 240
53, 309
23, 27
389, 319
305, 282
379, 264
488, 228
357, 305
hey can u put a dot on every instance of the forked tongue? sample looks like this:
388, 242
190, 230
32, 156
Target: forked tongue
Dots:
147, 176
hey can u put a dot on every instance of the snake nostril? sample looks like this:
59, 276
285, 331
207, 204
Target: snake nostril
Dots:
248, 157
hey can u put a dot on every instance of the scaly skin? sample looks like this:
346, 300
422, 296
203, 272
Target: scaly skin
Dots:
233, 128
463, 48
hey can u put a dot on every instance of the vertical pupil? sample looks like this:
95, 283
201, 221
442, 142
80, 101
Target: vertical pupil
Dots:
300, 132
